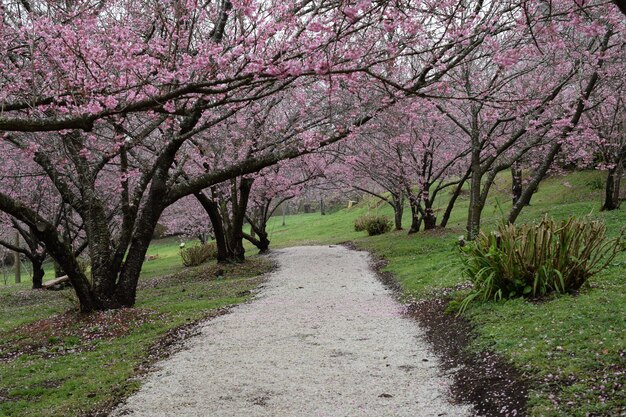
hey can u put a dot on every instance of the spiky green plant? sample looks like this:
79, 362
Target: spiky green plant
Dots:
533, 260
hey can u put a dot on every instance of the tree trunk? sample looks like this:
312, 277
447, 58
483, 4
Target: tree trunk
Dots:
239, 215
430, 220
262, 243
38, 273
283, 209
618, 182
212, 210
398, 211
475, 210
17, 264
452, 202
612, 189
475, 207
516, 180
125, 292
416, 218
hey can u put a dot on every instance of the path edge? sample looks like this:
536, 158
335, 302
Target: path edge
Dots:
168, 345
482, 379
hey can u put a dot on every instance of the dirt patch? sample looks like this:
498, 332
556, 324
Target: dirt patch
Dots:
70, 332
484, 379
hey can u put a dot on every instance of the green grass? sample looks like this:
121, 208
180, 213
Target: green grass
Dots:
572, 347
52, 380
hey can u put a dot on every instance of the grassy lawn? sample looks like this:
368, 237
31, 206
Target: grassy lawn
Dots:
56, 363
572, 347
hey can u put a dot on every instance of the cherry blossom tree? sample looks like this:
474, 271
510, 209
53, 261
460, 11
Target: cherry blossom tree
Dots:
127, 108
277, 185
22, 179
366, 168
412, 153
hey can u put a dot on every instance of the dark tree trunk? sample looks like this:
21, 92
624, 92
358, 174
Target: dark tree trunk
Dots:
38, 273
475, 207
62, 253
212, 210
398, 210
430, 220
262, 243
125, 292
229, 238
452, 202
612, 189
516, 180
416, 217
239, 215
618, 182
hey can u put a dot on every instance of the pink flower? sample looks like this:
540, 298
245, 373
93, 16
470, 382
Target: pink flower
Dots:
315, 27
110, 102
169, 107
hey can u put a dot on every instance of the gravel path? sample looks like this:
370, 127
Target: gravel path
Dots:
323, 338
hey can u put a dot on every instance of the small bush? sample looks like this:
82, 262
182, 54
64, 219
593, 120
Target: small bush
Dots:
374, 225
199, 254
537, 259
360, 224
378, 225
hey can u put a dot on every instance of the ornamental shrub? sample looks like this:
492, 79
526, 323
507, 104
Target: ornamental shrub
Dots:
360, 223
377, 225
374, 225
196, 255
533, 260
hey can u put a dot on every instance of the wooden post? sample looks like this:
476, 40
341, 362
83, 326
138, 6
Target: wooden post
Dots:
17, 262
